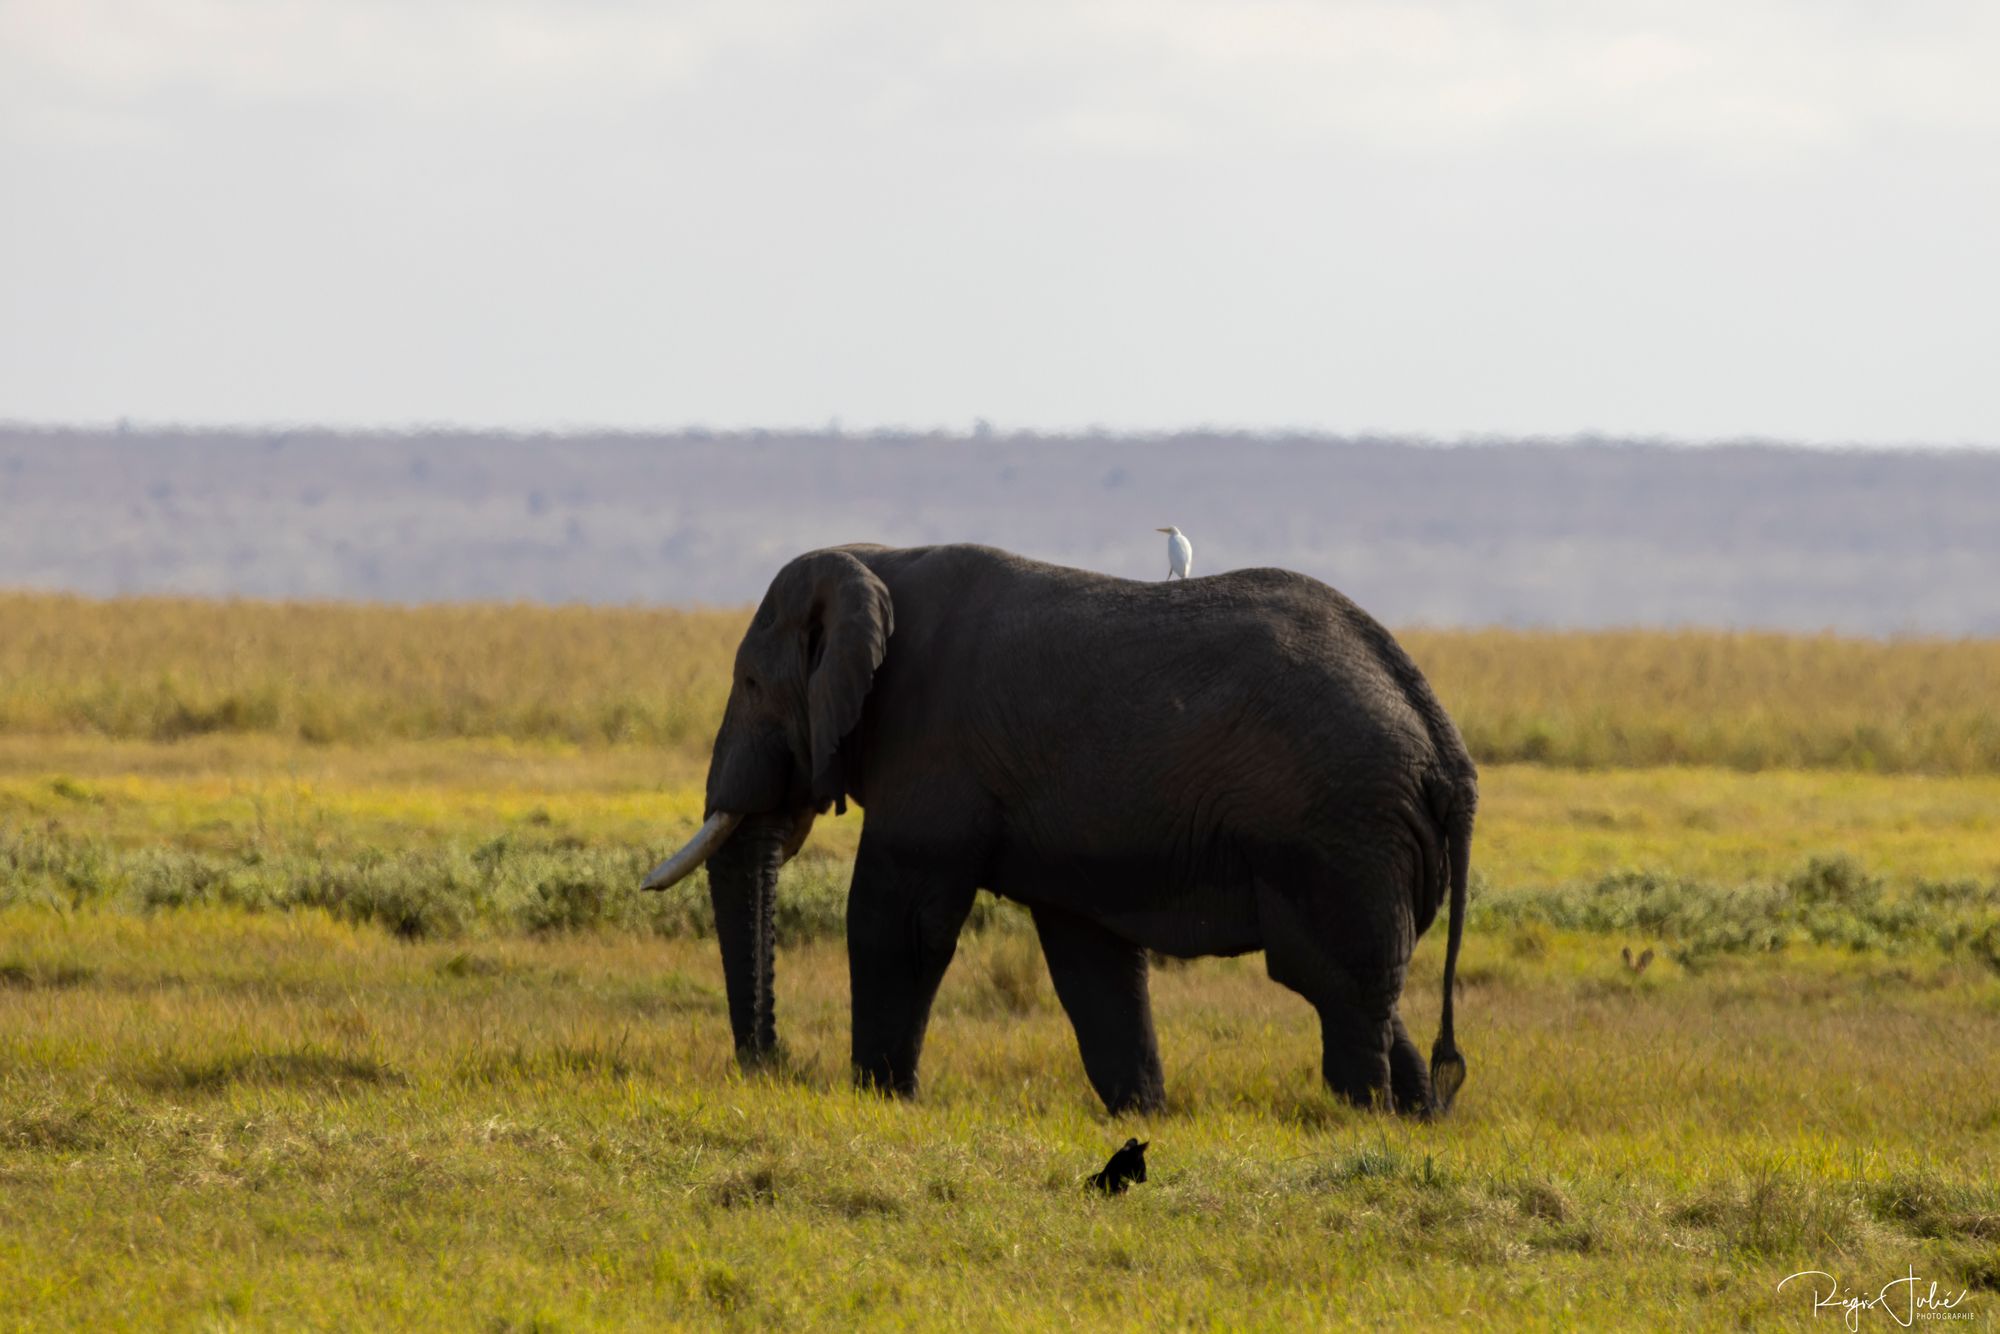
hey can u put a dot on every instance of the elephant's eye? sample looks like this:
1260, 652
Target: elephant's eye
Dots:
749, 683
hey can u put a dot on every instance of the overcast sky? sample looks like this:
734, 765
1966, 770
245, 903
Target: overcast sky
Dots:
1699, 218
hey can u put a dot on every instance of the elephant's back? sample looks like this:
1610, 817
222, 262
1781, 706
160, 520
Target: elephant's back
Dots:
1158, 670
1288, 643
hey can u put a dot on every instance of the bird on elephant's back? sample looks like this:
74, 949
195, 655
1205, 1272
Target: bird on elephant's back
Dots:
1238, 762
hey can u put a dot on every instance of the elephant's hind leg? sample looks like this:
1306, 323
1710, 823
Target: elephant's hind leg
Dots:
1351, 971
1409, 1075
1101, 980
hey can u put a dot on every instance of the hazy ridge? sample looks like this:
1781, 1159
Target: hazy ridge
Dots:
1523, 533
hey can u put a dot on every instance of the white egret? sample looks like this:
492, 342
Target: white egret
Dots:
1180, 552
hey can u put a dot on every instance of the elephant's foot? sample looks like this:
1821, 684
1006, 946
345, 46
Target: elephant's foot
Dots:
877, 1077
1143, 1099
1409, 1078
1355, 1066
771, 1059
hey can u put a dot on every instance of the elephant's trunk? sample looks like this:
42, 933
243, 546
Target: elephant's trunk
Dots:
714, 832
743, 884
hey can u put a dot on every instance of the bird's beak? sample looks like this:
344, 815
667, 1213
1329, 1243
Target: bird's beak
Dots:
1163, 530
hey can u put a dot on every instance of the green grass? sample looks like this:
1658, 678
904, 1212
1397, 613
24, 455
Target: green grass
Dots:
354, 1036
1537, 825
214, 1118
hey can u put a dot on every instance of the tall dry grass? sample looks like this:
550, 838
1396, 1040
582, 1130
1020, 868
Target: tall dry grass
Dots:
163, 669
1740, 700
167, 668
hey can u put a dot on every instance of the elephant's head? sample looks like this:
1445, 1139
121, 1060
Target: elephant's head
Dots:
802, 675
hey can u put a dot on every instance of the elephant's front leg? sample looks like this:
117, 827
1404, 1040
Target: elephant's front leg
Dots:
903, 920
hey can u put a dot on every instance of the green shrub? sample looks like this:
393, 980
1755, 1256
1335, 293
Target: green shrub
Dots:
537, 884
1830, 901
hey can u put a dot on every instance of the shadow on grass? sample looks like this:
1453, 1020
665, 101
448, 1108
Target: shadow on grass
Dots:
1936, 1209
297, 1067
1772, 1211
17, 976
769, 1181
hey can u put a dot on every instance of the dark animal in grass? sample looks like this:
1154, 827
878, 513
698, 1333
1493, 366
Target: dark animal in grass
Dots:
1126, 1166
1637, 965
1246, 761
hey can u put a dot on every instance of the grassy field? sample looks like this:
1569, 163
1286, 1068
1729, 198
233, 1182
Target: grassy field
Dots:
335, 1007
212, 1118
165, 669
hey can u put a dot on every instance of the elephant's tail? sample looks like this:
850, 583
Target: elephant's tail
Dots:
1447, 1066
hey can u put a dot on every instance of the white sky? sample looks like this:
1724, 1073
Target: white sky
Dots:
1701, 218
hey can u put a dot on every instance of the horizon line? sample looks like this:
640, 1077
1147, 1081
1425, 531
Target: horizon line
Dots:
983, 432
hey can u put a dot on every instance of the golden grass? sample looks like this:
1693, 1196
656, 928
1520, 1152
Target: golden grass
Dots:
165, 669
1737, 700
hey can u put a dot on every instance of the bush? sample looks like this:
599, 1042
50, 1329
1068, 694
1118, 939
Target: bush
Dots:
1837, 881
543, 884
1829, 901
1985, 947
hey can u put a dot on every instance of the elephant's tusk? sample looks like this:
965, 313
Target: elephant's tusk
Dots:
698, 850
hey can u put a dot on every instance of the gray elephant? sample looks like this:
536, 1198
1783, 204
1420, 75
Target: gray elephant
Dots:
1205, 767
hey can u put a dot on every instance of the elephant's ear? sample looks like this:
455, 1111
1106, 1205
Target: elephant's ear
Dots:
851, 622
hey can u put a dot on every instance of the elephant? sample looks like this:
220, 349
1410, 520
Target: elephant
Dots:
1209, 766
